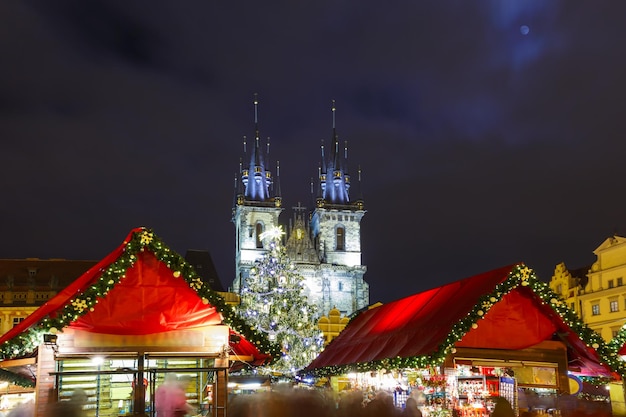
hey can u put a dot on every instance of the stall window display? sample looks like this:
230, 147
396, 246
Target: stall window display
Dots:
13, 401
11, 398
469, 391
475, 389
110, 384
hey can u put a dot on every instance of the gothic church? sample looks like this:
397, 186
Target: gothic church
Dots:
324, 244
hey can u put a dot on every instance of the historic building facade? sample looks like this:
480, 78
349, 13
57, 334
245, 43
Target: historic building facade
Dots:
324, 243
26, 284
597, 292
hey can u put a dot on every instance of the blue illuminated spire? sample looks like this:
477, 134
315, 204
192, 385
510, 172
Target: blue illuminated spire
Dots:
334, 179
256, 181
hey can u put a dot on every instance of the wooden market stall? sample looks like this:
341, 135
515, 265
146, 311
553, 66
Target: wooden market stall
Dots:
117, 332
500, 333
618, 388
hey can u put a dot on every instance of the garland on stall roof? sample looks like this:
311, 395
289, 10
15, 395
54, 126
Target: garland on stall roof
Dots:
618, 342
16, 379
520, 275
140, 240
595, 380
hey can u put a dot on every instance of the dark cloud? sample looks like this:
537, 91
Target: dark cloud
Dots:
479, 145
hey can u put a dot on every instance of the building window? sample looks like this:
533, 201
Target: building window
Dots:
559, 289
340, 286
614, 332
341, 238
611, 283
259, 232
595, 309
614, 306
17, 320
571, 306
620, 282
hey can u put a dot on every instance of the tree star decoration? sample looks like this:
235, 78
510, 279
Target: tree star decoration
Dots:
273, 234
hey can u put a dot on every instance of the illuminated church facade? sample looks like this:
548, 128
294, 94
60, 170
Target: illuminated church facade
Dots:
323, 243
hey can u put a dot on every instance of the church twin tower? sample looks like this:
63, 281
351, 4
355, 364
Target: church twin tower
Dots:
324, 244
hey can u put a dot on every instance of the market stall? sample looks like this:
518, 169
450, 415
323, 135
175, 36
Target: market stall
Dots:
139, 317
618, 388
502, 333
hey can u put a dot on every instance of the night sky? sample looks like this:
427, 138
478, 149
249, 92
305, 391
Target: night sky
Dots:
488, 132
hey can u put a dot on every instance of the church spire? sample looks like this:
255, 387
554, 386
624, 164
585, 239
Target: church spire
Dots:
334, 179
256, 180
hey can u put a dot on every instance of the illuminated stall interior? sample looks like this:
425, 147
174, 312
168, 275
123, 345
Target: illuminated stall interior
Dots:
500, 333
116, 332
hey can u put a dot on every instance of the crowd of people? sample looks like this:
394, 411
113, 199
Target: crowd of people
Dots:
171, 402
311, 403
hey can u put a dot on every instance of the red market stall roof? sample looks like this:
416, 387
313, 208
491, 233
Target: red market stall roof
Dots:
507, 308
140, 288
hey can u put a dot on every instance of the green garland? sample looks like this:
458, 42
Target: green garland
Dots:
141, 240
16, 379
520, 275
618, 341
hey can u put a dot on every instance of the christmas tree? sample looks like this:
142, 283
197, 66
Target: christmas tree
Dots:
274, 302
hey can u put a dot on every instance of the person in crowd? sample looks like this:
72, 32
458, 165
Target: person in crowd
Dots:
350, 404
410, 408
502, 408
381, 406
170, 399
25, 409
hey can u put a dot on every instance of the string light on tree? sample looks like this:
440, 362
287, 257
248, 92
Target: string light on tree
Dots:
273, 300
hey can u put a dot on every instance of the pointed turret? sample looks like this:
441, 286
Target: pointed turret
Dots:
256, 180
333, 176
277, 192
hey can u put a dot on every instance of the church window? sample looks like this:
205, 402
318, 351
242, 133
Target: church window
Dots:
259, 232
341, 239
